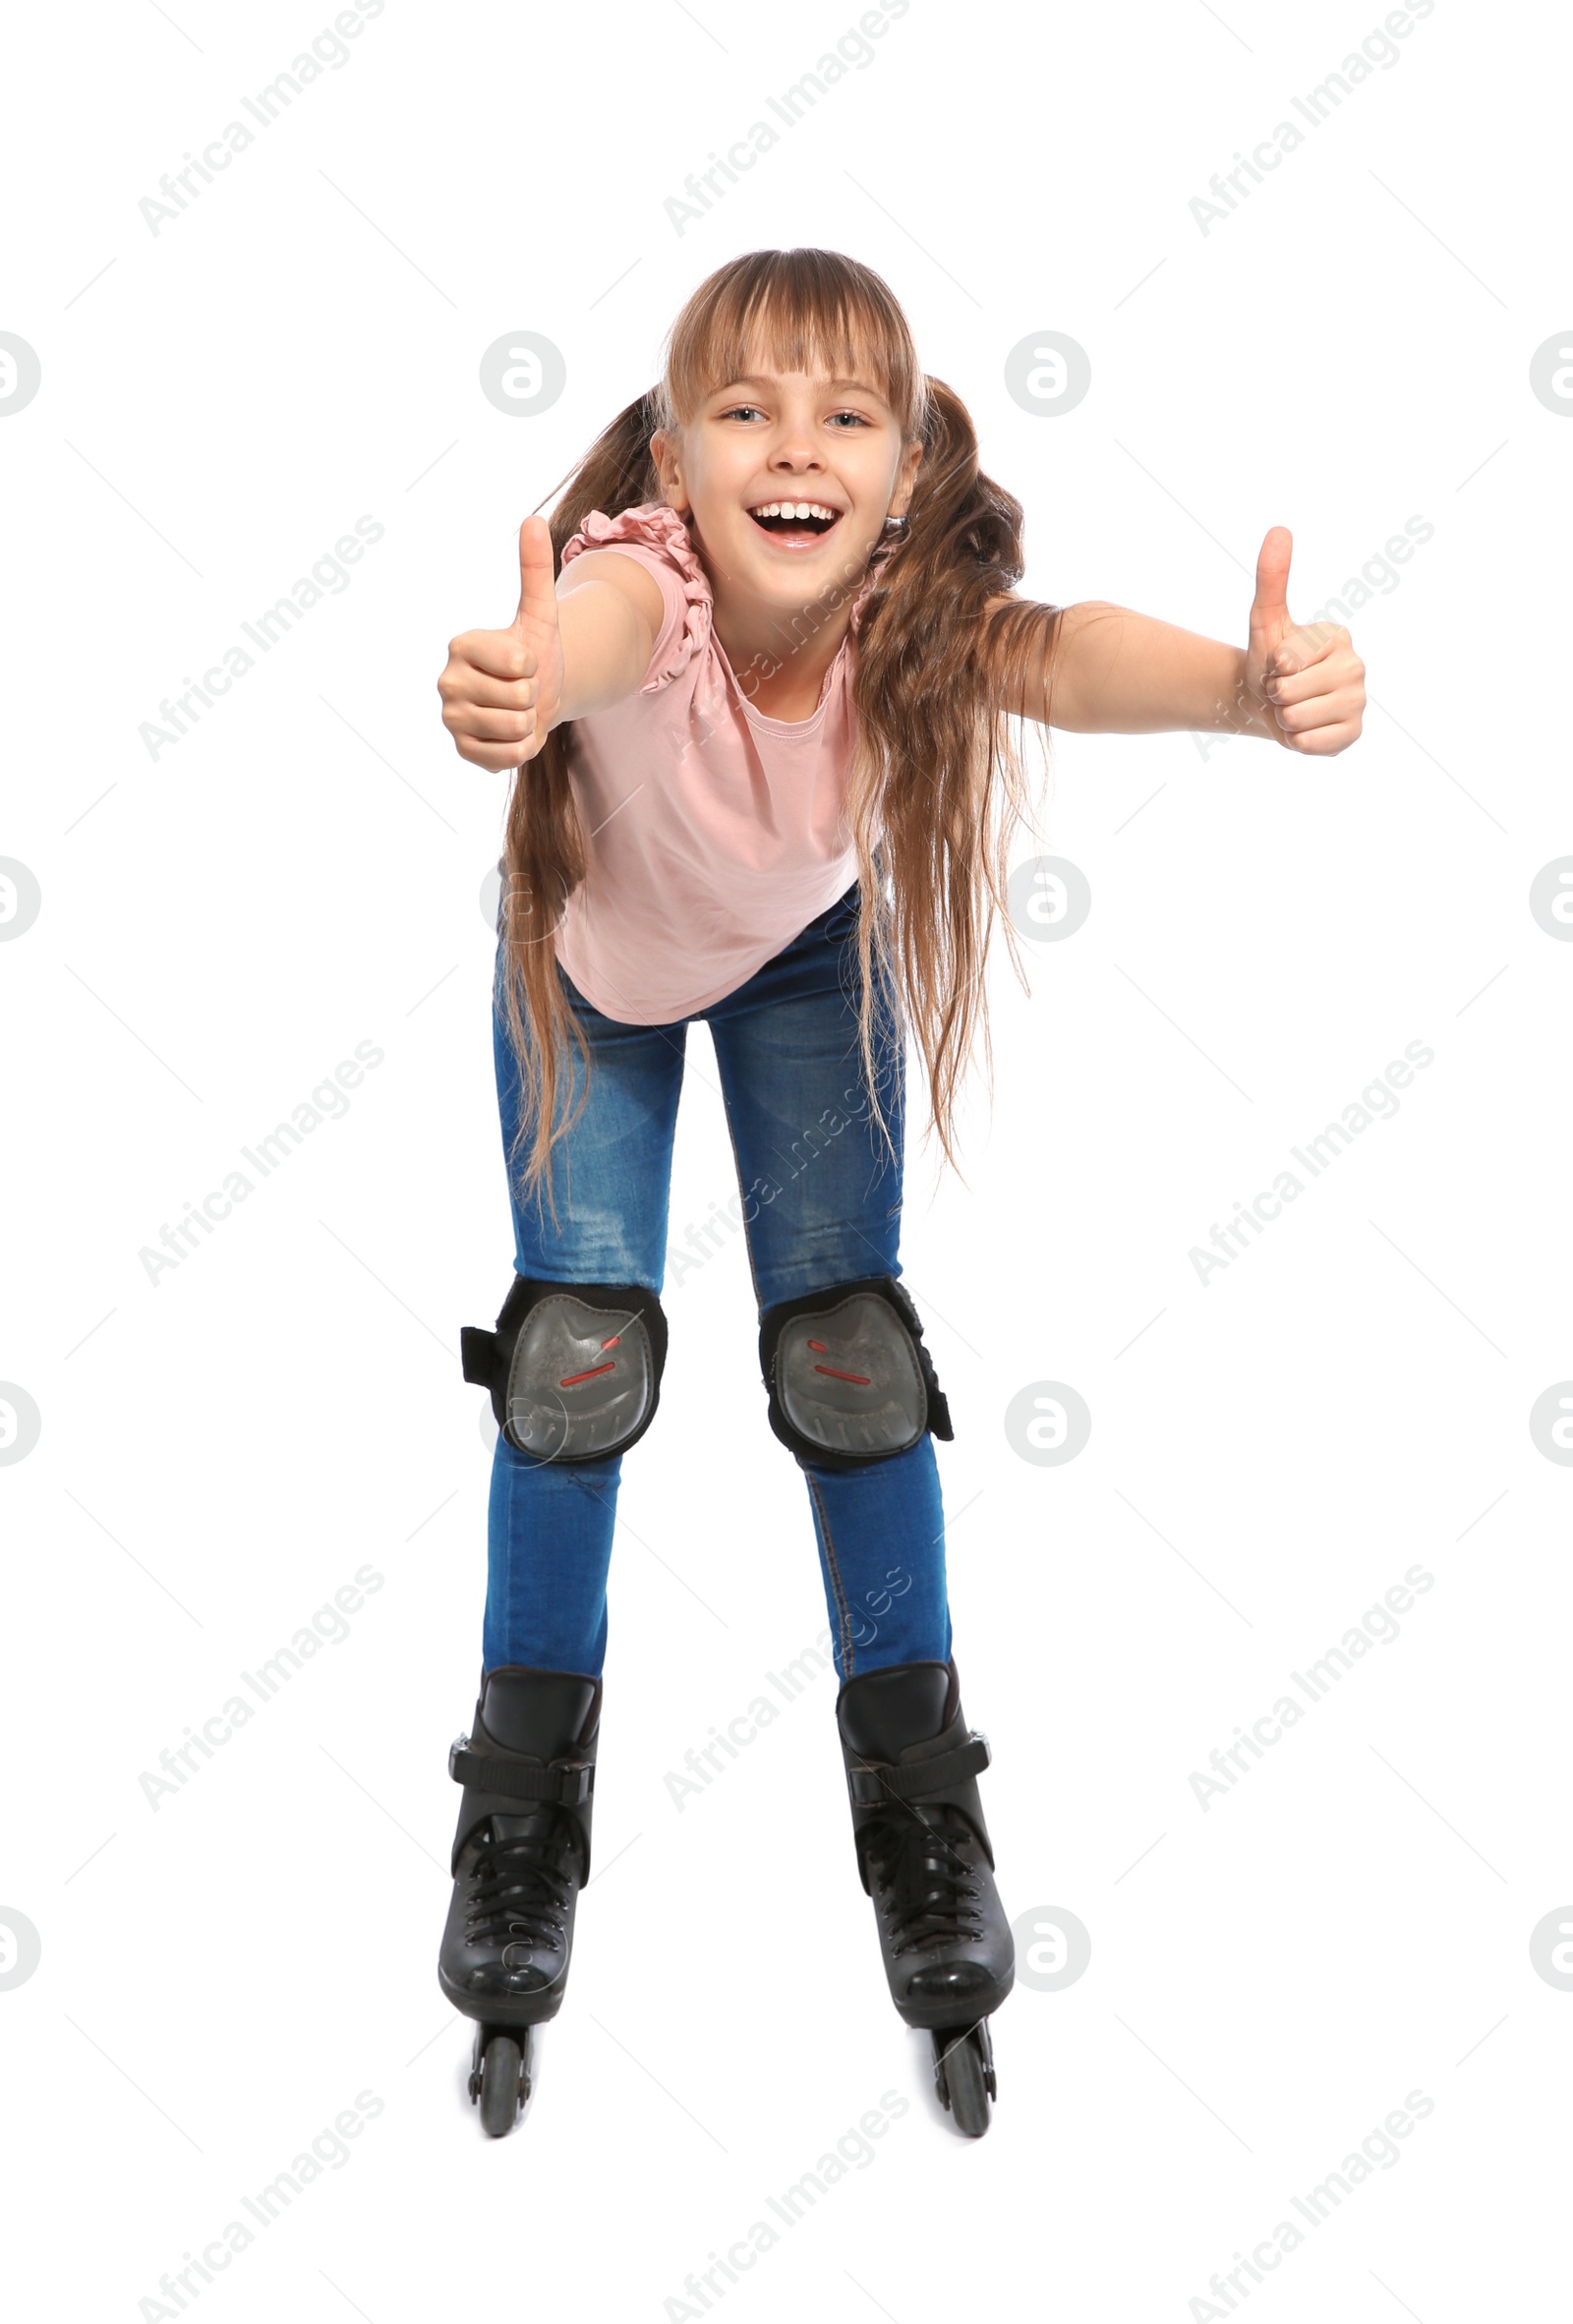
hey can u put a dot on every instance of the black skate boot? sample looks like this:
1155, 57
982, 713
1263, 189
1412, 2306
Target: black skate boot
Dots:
521, 1854
923, 1850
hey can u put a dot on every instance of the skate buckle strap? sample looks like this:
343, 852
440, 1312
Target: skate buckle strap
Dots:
879, 1779
567, 1782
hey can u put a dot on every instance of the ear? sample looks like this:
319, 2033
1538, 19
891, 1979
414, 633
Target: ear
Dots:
664, 451
906, 478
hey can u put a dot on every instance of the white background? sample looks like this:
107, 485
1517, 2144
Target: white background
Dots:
221, 1976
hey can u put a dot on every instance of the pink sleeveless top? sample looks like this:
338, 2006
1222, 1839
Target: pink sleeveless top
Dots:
714, 835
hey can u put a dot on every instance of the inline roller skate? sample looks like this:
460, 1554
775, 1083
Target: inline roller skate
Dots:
521, 1854
924, 1851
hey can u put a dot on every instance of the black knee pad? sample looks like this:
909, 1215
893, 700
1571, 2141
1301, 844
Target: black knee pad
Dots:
574, 1368
848, 1377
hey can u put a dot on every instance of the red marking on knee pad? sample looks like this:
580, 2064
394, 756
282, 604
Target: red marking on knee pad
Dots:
831, 1373
818, 1347
574, 1377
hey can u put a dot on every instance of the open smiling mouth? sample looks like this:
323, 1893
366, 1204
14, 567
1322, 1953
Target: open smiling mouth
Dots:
794, 521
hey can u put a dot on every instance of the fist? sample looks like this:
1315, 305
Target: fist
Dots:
1305, 682
502, 688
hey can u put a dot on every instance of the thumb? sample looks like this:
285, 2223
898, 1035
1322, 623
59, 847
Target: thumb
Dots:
537, 596
1269, 608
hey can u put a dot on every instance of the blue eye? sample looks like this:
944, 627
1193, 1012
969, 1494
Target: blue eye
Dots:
751, 411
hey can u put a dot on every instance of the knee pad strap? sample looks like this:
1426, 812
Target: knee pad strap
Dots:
574, 1368
848, 1377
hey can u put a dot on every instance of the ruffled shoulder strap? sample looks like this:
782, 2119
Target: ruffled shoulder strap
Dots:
663, 536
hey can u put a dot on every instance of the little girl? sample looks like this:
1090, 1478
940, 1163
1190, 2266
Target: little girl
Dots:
758, 693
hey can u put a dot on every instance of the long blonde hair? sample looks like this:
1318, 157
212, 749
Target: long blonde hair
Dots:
936, 785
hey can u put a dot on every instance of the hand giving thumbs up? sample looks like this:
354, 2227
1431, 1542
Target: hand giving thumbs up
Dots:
1306, 679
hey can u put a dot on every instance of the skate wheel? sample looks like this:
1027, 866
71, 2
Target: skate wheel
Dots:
503, 2083
963, 2075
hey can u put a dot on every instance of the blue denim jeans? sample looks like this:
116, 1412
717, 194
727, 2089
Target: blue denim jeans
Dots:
820, 1203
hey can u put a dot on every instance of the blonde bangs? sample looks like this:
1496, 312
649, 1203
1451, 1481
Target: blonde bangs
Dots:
793, 311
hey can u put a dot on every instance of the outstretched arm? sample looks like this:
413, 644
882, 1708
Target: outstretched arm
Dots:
1107, 671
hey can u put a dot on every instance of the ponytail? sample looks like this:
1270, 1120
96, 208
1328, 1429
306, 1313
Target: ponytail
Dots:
543, 851
937, 783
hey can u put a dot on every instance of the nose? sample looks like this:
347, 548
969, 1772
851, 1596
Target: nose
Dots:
796, 453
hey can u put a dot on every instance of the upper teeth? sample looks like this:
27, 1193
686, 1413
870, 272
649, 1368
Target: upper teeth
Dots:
795, 508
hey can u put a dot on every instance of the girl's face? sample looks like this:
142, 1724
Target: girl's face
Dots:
789, 477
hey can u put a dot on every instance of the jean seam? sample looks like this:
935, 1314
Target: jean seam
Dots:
738, 1166
510, 1627
833, 1568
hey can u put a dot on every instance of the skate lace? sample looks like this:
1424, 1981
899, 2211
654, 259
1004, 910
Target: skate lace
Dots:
520, 1889
924, 1883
